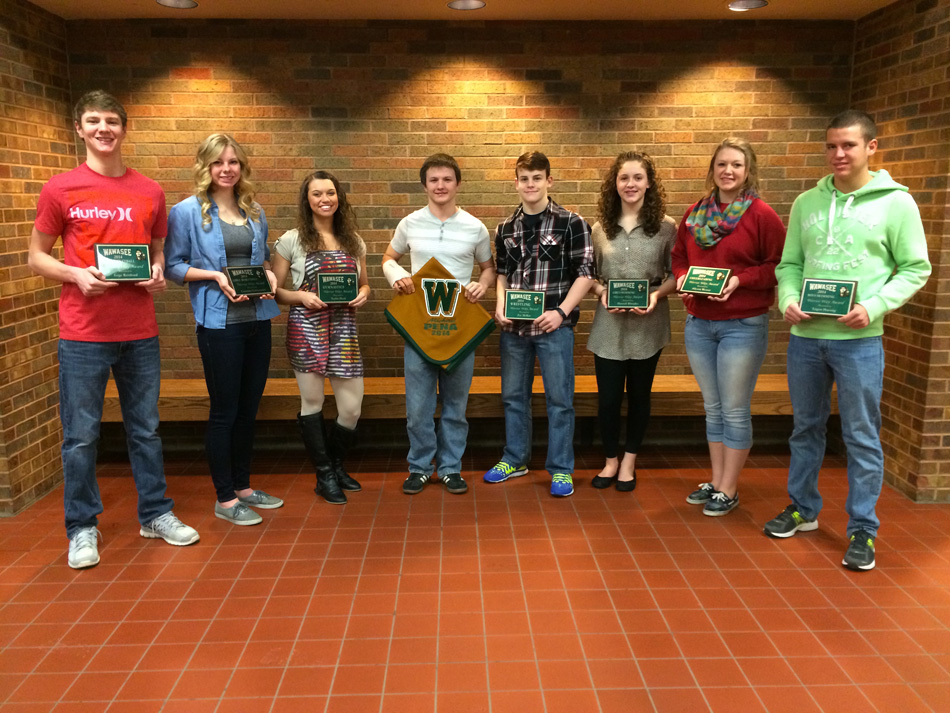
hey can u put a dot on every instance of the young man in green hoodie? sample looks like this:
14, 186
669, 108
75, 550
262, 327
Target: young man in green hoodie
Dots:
860, 225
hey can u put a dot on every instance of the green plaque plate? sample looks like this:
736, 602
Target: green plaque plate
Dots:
250, 280
706, 280
333, 287
625, 294
524, 304
123, 263
833, 298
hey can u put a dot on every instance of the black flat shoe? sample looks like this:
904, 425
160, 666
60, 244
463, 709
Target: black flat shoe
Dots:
601, 483
626, 486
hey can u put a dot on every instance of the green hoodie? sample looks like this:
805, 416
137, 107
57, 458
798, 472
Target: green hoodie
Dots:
859, 236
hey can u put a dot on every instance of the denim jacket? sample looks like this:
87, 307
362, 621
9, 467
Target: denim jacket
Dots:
191, 244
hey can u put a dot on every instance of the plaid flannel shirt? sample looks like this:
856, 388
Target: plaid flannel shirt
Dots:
548, 260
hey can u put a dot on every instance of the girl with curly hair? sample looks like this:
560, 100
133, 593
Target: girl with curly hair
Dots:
321, 337
221, 225
727, 336
632, 240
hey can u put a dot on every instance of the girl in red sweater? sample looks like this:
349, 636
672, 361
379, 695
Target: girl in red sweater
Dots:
727, 336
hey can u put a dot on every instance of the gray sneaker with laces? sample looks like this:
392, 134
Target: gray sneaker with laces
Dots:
84, 548
239, 514
701, 495
720, 504
260, 499
169, 528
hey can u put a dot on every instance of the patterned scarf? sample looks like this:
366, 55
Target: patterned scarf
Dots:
708, 225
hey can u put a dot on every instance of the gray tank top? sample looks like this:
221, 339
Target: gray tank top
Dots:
238, 240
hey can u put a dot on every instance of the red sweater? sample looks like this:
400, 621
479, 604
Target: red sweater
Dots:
752, 251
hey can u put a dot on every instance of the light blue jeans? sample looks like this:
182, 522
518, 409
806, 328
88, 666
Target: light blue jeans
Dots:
83, 373
725, 356
445, 445
857, 367
555, 353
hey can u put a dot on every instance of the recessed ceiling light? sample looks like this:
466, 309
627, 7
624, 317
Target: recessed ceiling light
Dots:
743, 5
178, 4
466, 4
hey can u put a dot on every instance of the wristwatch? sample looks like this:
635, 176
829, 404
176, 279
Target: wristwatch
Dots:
560, 312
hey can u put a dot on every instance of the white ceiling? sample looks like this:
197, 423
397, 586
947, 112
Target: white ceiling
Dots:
437, 10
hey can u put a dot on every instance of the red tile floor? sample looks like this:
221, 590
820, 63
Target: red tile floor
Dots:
500, 600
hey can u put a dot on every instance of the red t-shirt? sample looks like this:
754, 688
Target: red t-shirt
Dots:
86, 208
752, 250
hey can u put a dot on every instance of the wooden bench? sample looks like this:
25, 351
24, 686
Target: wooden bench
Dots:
673, 395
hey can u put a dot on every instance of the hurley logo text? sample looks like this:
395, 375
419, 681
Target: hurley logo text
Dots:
119, 214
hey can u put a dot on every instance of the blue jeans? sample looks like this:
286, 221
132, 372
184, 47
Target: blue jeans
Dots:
83, 373
235, 360
725, 356
555, 353
447, 444
857, 367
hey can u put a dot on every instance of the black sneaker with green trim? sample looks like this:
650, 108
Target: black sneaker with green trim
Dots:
788, 522
860, 553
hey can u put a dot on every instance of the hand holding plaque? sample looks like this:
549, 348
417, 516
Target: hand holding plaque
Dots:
709, 281
831, 298
628, 294
123, 263
337, 287
524, 304
248, 280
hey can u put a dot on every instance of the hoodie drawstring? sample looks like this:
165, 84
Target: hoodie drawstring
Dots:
831, 214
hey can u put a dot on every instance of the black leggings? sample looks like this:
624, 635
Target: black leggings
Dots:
235, 360
637, 374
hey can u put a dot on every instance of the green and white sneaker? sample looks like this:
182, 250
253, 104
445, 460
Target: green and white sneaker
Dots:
860, 553
788, 522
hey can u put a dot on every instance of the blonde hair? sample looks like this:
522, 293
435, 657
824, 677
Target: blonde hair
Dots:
752, 169
208, 152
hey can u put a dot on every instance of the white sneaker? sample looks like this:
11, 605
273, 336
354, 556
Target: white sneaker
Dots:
171, 529
84, 548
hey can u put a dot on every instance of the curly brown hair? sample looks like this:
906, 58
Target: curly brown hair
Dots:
344, 220
654, 202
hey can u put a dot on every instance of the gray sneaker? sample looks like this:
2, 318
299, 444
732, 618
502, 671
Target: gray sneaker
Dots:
701, 495
260, 499
239, 514
84, 548
169, 528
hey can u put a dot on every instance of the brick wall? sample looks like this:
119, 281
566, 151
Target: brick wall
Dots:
370, 101
35, 143
901, 76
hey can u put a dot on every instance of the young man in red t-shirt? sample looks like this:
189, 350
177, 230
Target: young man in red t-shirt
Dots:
105, 325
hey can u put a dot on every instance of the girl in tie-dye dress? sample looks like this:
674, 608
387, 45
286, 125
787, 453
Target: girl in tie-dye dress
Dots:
321, 336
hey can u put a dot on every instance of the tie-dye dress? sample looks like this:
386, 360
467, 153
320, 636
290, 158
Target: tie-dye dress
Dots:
324, 341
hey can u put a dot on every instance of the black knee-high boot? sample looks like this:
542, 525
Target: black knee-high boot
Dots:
339, 442
311, 431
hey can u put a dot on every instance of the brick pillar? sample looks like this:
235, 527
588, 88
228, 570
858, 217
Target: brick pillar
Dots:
37, 142
900, 78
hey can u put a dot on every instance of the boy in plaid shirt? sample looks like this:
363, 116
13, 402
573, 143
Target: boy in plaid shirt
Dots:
541, 247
